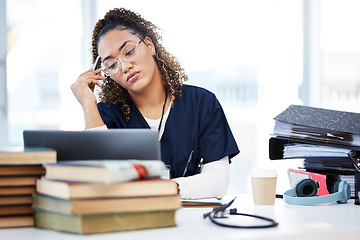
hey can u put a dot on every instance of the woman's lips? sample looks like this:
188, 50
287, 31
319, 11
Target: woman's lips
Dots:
132, 76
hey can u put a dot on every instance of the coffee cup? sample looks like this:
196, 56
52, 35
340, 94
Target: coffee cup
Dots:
263, 182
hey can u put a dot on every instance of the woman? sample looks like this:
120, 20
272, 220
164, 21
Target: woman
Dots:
143, 88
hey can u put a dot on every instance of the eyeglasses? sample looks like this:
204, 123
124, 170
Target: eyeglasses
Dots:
129, 53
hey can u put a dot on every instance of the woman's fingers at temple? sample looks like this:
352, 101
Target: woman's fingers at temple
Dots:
97, 71
91, 77
84, 85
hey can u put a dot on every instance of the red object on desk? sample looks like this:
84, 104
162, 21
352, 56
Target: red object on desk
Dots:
320, 179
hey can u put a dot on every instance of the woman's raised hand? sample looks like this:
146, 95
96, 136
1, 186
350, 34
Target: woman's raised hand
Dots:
83, 88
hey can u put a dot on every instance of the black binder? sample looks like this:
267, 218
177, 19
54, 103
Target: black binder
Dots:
320, 136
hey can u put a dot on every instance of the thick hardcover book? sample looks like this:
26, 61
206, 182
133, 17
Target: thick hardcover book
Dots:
16, 221
15, 200
106, 205
77, 190
105, 171
16, 210
21, 170
12, 191
18, 181
26, 156
103, 223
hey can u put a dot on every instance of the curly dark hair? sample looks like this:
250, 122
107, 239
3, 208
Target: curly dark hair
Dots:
172, 73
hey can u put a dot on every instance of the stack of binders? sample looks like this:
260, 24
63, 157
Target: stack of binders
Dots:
327, 140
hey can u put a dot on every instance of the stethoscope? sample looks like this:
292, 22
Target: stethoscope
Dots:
219, 213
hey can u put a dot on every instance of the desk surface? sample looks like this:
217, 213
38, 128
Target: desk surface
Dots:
330, 222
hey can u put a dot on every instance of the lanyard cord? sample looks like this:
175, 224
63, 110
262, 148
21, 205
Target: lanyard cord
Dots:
163, 110
220, 210
145, 125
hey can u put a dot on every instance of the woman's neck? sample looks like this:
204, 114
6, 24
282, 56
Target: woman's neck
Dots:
151, 102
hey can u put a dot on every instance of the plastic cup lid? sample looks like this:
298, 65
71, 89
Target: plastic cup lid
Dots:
263, 172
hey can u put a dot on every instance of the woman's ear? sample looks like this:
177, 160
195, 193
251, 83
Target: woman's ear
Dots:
149, 43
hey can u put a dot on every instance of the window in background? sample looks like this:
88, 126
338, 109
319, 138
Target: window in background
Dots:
44, 58
340, 47
3, 83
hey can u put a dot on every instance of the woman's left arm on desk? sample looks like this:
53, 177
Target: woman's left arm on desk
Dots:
213, 181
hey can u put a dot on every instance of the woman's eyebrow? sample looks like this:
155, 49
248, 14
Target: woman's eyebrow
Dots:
120, 48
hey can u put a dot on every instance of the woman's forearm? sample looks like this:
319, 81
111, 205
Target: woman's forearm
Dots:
213, 181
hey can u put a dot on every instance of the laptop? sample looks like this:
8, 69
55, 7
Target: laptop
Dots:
120, 144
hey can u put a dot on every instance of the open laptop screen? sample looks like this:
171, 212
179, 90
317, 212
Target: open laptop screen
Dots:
140, 144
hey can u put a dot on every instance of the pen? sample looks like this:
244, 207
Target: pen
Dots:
96, 63
94, 67
201, 163
188, 161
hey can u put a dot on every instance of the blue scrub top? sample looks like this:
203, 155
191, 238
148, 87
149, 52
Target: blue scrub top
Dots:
196, 126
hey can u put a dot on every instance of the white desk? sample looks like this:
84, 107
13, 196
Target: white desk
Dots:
330, 222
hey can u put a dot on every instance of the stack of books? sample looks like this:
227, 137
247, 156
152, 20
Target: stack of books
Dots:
19, 169
327, 140
88, 197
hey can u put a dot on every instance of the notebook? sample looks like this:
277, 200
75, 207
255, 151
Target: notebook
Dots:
142, 144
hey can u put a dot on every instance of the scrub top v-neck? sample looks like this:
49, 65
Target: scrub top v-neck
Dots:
195, 128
